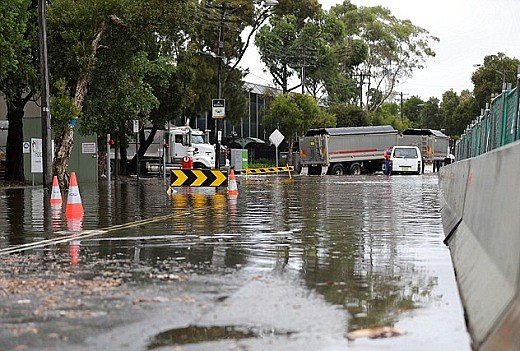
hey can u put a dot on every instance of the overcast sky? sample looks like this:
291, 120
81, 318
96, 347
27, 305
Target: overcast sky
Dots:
468, 31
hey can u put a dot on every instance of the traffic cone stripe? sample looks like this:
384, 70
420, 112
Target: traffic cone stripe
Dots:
232, 184
56, 192
74, 207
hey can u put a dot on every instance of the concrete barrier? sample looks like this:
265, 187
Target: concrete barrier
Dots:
452, 195
481, 217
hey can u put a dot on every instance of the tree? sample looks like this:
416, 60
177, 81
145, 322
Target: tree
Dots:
117, 45
489, 77
396, 48
448, 106
412, 109
430, 115
349, 115
19, 74
293, 114
388, 114
279, 50
466, 111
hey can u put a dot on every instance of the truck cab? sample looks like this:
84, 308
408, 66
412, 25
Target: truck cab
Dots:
184, 141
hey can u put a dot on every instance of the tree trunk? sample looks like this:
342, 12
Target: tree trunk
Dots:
62, 151
64, 141
102, 155
14, 170
290, 144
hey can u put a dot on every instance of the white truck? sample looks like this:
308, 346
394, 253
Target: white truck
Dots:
171, 145
351, 150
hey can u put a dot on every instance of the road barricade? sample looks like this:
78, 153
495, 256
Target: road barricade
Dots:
268, 170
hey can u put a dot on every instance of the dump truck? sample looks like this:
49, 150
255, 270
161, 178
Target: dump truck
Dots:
434, 145
347, 150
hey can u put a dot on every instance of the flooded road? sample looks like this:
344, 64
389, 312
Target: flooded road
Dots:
290, 264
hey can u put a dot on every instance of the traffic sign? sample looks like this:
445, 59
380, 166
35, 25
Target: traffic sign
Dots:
276, 137
218, 108
198, 177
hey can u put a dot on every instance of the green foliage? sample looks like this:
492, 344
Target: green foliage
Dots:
430, 115
458, 116
63, 108
278, 48
293, 114
14, 18
349, 115
389, 114
489, 77
301, 9
397, 47
412, 109
19, 52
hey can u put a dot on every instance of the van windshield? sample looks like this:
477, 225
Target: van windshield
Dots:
405, 153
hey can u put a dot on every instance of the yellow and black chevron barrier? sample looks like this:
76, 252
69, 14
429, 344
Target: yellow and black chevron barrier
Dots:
198, 177
268, 170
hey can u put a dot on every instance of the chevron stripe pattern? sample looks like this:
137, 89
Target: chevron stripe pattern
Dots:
198, 177
268, 170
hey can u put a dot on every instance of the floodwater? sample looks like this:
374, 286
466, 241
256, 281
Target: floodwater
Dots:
290, 264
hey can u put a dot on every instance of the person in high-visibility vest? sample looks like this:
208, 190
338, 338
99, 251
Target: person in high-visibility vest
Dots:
386, 156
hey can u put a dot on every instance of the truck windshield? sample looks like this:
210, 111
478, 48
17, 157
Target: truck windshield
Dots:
197, 139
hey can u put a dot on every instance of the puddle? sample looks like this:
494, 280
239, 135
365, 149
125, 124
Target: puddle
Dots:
196, 334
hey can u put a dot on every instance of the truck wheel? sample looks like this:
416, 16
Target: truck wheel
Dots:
355, 169
338, 169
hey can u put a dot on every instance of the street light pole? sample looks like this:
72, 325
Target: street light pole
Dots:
45, 97
502, 73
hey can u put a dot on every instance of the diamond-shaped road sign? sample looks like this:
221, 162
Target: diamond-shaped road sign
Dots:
276, 137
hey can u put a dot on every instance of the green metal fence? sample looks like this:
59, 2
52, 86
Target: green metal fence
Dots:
498, 126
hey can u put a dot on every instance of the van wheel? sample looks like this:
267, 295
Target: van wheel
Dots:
338, 169
355, 169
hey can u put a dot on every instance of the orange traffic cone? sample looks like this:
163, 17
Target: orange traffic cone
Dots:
56, 192
74, 207
232, 184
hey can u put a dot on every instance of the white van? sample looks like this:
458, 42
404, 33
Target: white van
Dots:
406, 159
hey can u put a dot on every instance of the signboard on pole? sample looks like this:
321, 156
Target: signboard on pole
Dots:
276, 138
218, 108
36, 155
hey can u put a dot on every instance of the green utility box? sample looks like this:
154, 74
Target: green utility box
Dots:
83, 159
239, 159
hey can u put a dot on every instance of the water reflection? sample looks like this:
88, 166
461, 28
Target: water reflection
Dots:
361, 242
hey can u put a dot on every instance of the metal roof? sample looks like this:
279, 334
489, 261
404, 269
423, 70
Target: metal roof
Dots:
412, 131
352, 130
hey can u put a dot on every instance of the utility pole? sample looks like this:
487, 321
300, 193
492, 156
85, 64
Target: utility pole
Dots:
220, 52
45, 98
401, 108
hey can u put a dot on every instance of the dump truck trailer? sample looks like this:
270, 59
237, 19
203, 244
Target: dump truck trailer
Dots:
349, 150
434, 144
